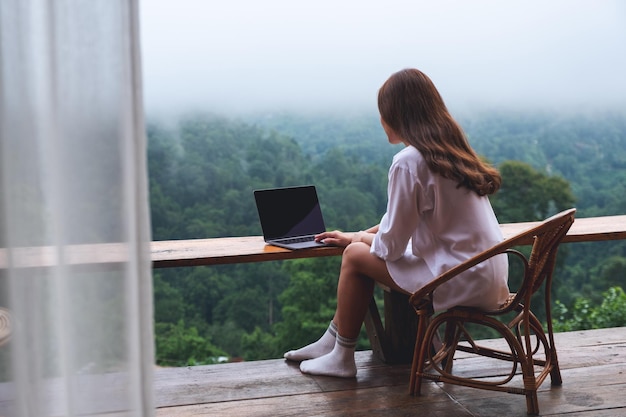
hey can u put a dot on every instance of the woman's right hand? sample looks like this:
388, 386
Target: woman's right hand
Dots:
335, 238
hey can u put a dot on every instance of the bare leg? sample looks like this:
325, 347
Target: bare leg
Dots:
359, 270
354, 292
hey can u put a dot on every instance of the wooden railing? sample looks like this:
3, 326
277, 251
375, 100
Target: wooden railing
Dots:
234, 250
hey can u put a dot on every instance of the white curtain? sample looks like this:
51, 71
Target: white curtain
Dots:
74, 219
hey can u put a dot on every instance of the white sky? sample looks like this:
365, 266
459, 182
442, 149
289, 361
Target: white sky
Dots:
242, 55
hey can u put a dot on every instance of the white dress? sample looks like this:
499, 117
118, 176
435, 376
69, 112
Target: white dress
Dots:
432, 225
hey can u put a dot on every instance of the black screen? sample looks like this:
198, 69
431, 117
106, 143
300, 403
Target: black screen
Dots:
289, 212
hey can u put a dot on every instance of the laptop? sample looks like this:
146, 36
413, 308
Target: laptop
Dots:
290, 217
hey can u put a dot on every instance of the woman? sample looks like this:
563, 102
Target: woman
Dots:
438, 215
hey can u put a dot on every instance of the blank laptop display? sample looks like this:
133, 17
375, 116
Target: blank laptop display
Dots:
290, 217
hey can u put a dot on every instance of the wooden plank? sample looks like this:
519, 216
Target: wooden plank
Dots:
229, 382
277, 388
599, 347
170, 253
93, 394
233, 250
379, 401
227, 250
260, 379
584, 390
70, 255
592, 386
585, 229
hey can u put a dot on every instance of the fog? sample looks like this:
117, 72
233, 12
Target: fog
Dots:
234, 56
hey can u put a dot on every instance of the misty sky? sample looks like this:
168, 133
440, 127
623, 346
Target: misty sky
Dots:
268, 55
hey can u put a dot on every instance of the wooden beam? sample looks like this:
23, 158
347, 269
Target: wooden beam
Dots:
229, 250
233, 250
586, 229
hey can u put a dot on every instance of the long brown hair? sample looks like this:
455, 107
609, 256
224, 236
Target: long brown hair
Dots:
410, 104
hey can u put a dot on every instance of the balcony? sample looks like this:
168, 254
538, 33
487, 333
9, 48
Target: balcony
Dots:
593, 366
592, 362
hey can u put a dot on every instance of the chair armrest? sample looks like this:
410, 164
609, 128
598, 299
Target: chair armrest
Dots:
564, 219
426, 291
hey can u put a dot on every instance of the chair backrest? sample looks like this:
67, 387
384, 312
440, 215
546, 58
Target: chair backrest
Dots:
546, 239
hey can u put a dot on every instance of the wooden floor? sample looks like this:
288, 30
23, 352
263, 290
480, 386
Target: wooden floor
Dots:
593, 366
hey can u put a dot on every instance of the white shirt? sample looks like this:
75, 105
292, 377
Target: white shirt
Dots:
432, 225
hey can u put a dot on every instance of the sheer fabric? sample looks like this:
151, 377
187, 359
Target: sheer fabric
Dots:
74, 218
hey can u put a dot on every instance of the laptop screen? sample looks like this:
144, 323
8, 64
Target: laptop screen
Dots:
289, 212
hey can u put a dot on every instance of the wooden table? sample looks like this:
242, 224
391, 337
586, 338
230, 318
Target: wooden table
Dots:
233, 250
227, 250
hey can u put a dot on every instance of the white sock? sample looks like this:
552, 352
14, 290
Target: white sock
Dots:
324, 345
339, 362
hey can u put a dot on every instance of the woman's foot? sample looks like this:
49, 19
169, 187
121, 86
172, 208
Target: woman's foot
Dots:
324, 345
340, 362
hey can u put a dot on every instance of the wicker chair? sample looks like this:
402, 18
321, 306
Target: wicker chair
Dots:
531, 347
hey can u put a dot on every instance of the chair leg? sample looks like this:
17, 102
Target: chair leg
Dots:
532, 403
413, 380
451, 339
555, 373
532, 325
419, 356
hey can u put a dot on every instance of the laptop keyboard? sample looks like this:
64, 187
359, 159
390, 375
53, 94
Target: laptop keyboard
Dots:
297, 239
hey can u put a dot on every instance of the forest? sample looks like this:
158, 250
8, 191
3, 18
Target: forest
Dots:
203, 169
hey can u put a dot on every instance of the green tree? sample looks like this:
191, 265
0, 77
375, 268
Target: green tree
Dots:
259, 345
583, 314
177, 345
169, 306
610, 273
308, 302
529, 195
